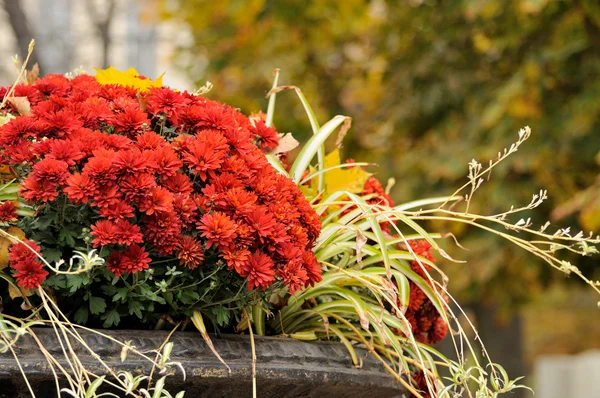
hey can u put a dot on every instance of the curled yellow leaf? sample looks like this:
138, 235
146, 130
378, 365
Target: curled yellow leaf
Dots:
129, 78
5, 243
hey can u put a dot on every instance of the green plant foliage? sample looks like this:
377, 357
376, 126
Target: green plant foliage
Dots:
429, 85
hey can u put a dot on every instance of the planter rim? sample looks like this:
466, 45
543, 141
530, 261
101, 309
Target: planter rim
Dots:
282, 363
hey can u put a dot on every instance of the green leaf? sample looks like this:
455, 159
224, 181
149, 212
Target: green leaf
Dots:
52, 254
81, 316
313, 146
43, 222
67, 237
122, 293
135, 307
97, 305
91, 391
111, 318
222, 315
75, 282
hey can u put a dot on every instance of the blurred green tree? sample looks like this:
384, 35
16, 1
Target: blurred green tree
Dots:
430, 84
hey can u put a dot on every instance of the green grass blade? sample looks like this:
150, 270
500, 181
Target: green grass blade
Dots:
312, 146
272, 98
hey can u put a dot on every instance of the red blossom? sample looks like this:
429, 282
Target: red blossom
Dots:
135, 259
218, 229
160, 200
260, 271
30, 273
131, 122
190, 252
79, 187
166, 101
34, 191
50, 170
23, 259
8, 211
105, 233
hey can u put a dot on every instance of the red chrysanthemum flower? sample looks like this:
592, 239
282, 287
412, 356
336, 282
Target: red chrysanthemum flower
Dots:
120, 210
263, 222
67, 151
30, 273
18, 129
166, 101
79, 187
190, 252
105, 233
218, 229
236, 259
131, 122
50, 170
294, 275
21, 251
8, 211
313, 269
167, 161
107, 195
115, 264
267, 136
127, 233
206, 154
137, 187
260, 271
135, 259
35, 191
178, 183
160, 200
129, 162
149, 140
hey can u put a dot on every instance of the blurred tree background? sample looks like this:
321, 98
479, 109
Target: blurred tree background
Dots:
431, 84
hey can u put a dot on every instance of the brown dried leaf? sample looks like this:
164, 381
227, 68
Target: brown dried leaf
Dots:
33, 74
21, 104
286, 143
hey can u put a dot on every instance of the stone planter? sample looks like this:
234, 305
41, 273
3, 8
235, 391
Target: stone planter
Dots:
285, 367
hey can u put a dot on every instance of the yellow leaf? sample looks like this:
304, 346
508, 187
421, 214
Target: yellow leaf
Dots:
343, 179
14, 293
5, 173
5, 243
590, 216
129, 78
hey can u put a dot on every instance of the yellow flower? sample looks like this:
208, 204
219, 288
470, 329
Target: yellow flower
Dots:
129, 78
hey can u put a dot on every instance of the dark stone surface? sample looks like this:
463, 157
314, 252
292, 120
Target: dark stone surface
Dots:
285, 367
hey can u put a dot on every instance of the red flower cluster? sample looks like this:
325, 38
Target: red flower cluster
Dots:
8, 211
427, 324
22, 258
168, 174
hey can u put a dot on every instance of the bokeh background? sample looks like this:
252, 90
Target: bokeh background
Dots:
430, 85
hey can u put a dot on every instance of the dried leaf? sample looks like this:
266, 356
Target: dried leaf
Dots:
361, 240
5, 243
21, 104
33, 74
343, 131
286, 143
14, 293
